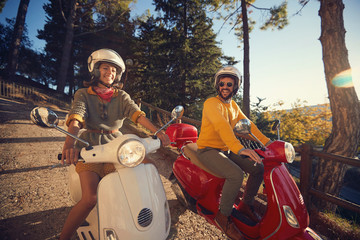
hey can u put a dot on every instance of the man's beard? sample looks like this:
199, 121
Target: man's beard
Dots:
227, 98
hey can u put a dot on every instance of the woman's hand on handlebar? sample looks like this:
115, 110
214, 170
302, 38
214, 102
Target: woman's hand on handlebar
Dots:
69, 153
70, 156
252, 154
164, 138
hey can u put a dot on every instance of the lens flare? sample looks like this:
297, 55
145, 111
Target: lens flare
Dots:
343, 79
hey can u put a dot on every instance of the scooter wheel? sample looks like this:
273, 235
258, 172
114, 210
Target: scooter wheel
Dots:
184, 198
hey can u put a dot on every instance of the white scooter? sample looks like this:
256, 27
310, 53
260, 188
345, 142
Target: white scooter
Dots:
131, 202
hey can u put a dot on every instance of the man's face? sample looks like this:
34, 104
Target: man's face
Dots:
226, 87
107, 73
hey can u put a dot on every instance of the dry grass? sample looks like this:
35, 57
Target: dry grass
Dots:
333, 226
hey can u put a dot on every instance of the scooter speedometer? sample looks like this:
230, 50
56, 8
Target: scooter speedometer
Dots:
131, 153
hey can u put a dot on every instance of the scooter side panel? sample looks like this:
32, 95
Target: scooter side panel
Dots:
285, 192
197, 182
200, 185
74, 184
192, 178
124, 195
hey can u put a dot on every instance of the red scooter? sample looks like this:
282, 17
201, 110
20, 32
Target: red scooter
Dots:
199, 190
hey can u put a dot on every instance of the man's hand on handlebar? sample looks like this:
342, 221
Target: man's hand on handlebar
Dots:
252, 154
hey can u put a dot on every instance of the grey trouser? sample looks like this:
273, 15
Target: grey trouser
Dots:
232, 166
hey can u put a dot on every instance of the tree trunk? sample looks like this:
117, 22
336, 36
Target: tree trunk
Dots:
17, 36
344, 103
246, 63
65, 59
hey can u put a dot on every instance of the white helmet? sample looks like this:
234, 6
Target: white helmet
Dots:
228, 71
105, 55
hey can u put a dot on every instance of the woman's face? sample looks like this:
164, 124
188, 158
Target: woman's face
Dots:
107, 73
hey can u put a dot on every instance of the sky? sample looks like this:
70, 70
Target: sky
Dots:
285, 65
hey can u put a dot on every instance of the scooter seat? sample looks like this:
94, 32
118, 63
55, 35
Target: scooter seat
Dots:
190, 152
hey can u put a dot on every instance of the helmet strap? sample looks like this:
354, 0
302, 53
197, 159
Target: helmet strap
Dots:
106, 85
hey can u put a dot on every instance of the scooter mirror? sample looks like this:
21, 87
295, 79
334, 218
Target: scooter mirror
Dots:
47, 118
44, 117
243, 126
177, 112
276, 125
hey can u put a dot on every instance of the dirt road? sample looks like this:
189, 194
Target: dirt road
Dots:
33, 188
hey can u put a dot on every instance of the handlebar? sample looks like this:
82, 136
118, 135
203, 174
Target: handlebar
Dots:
59, 156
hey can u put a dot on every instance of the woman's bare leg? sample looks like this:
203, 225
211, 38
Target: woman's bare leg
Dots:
89, 182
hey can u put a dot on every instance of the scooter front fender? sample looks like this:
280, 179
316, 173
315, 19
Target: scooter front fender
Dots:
308, 234
132, 204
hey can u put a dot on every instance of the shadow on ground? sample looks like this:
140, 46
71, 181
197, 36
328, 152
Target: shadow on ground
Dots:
31, 226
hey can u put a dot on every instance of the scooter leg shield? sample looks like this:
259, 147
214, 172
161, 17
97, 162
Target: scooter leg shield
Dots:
74, 184
132, 204
89, 229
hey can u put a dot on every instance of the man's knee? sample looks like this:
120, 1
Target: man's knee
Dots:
236, 175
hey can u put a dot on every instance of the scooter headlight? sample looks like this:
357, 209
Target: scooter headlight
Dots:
289, 152
131, 153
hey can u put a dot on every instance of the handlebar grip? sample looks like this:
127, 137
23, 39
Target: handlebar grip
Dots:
59, 156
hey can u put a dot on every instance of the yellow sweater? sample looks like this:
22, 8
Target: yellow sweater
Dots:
218, 121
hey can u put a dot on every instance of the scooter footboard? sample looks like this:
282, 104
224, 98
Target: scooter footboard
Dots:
132, 204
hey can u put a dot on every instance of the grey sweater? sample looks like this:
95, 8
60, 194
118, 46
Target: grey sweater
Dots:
95, 113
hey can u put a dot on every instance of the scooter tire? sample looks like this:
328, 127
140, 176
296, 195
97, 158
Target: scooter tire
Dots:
183, 197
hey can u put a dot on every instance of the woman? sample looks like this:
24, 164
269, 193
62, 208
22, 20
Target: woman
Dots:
100, 109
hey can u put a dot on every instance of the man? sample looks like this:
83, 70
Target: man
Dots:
221, 152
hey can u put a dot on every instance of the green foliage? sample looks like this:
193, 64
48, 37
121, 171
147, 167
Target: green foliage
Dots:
54, 35
97, 25
230, 11
278, 18
177, 56
5, 41
30, 60
259, 117
2, 5
303, 124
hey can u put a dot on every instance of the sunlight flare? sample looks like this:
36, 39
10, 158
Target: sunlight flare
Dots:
343, 79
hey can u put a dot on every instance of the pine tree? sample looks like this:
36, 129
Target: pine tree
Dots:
16, 39
181, 56
97, 24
